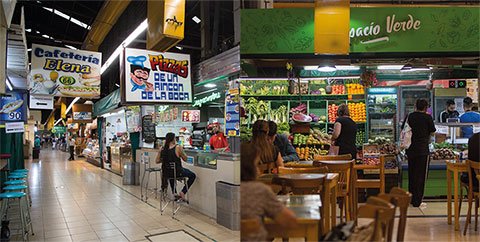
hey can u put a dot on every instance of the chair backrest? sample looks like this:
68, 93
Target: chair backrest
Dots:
475, 166
344, 174
249, 228
297, 170
383, 212
305, 187
332, 157
381, 167
401, 199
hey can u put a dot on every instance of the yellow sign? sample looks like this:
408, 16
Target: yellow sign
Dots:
166, 24
174, 18
63, 110
332, 26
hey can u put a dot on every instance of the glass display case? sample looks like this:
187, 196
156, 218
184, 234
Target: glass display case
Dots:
207, 160
125, 156
382, 111
115, 158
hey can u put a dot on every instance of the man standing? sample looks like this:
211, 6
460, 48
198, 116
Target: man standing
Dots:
218, 141
449, 112
71, 146
468, 117
281, 141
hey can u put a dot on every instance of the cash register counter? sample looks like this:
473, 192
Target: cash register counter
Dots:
209, 167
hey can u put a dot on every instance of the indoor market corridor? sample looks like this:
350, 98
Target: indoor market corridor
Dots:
76, 201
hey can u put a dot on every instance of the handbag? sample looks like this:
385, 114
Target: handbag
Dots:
406, 136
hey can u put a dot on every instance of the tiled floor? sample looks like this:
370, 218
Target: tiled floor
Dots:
76, 201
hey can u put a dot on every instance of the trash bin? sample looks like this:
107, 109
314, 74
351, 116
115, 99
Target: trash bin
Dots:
228, 205
130, 173
36, 152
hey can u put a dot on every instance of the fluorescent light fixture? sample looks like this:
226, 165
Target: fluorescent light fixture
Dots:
58, 121
46, 36
38, 32
71, 104
9, 84
327, 69
417, 69
28, 30
140, 29
310, 68
71, 47
68, 17
390, 67
179, 47
347, 68
210, 85
196, 19
116, 84
30, 49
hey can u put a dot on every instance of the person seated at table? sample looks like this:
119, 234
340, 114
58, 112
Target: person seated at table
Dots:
473, 155
257, 200
270, 153
281, 142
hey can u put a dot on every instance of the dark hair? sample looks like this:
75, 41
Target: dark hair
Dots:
450, 102
260, 139
343, 110
168, 139
421, 104
272, 128
248, 158
467, 101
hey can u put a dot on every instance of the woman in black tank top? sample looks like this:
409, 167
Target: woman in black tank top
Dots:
171, 156
345, 132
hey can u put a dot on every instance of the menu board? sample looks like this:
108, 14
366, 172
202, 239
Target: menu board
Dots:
156, 77
167, 115
148, 129
191, 116
232, 112
13, 107
132, 114
65, 72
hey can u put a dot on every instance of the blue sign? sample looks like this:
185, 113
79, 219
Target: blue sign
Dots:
13, 107
382, 90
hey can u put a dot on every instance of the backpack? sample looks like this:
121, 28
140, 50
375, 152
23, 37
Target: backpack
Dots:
406, 136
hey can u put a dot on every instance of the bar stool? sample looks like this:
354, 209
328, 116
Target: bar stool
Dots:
176, 203
148, 168
20, 177
25, 218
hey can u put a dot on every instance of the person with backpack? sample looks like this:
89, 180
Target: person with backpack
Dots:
422, 129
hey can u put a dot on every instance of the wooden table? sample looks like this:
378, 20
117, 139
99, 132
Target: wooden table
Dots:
307, 210
455, 168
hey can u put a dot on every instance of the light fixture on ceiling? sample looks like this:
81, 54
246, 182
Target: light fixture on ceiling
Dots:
9, 84
71, 47
326, 68
196, 19
310, 68
46, 36
140, 29
58, 121
116, 84
347, 68
30, 49
71, 104
68, 17
89, 102
407, 67
210, 85
389, 67
28, 30
410, 67
179, 47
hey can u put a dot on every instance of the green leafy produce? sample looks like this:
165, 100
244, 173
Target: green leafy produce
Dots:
257, 109
283, 128
245, 134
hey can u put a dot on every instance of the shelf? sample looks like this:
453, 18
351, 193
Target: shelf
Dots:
296, 97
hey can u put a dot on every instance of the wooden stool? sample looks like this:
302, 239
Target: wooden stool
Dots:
382, 212
472, 195
401, 199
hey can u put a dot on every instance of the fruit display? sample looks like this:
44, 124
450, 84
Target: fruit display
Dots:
443, 154
338, 89
355, 88
358, 111
308, 153
303, 88
320, 91
371, 160
301, 108
332, 113
360, 139
301, 118
379, 141
321, 135
264, 88
388, 148
314, 117
283, 128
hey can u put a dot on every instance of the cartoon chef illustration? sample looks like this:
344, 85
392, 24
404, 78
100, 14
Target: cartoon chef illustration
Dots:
139, 74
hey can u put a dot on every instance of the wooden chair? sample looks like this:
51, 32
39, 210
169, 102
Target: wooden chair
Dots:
344, 186
297, 170
249, 228
401, 199
472, 195
368, 183
305, 187
383, 214
332, 157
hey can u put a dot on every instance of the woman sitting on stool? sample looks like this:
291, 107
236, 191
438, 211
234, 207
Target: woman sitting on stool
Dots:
172, 153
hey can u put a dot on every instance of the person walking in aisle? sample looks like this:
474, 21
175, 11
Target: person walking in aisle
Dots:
71, 146
418, 152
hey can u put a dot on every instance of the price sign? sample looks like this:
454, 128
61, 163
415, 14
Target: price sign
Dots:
441, 129
12, 107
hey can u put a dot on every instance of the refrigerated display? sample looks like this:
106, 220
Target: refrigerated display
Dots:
382, 112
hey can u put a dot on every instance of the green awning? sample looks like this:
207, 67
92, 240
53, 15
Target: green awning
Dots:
107, 104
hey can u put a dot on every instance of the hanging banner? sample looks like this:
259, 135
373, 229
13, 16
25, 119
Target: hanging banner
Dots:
132, 114
65, 72
14, 127
41, 102
82, 113
191, 116
232, 112
13, 107
155, 77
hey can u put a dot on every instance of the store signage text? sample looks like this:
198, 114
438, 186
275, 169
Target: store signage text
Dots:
59, 65
212, 97
392, 25
15, 127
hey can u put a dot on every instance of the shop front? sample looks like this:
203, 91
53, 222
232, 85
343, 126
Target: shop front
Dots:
396, 56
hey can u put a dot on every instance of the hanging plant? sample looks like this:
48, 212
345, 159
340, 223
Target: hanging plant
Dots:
368, 79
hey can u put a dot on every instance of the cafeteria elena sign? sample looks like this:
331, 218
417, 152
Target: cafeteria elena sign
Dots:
156, 77
59, 71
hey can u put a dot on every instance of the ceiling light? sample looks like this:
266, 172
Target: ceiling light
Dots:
68, 17
116, 84
389, 67
140, 29
58, 121
45, 36
347, 68
71, 47
179, 47
9, 84
71, 104
30, 49
310, 68
407, 67
38, 32
196, 19
210, 85
28, 30
327, 69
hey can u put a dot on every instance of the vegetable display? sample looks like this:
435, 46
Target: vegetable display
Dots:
360, 139
279, 115
258, 109
264, 88
443, 154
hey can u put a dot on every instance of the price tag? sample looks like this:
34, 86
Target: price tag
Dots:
441, 129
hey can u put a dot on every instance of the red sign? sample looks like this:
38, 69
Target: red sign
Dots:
191, 116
